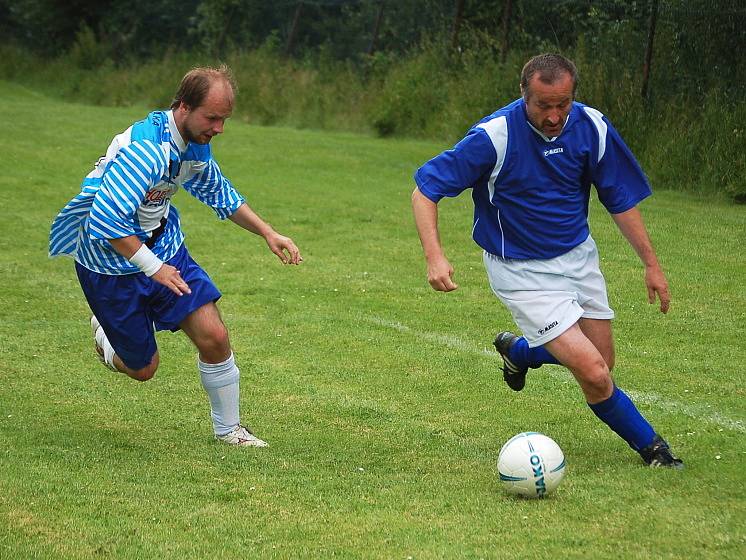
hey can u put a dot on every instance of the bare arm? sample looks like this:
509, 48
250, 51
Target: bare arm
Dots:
280, 245
166, 275
632, 227
439, 270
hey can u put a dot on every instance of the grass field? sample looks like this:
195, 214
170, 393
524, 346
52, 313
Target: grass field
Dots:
380, 397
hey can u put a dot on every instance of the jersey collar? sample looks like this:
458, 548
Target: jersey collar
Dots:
178, 140
539, 132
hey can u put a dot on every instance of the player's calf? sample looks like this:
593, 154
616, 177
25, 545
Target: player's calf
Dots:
109, 358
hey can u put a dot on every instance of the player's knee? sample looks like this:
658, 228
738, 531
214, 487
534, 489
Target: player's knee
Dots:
601, 380
213, 342
599, 385
596, 375
146, 373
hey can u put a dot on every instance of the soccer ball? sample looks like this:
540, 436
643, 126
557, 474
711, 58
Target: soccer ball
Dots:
531, 465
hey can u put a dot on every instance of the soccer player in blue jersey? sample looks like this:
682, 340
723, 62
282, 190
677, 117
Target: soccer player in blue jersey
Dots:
530, 166
128, 246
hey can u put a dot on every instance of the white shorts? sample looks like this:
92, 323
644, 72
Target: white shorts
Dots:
548, 296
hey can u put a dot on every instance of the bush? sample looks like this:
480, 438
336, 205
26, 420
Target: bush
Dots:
87, 53
686, 141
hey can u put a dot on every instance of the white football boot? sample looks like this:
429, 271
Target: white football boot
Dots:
242, 436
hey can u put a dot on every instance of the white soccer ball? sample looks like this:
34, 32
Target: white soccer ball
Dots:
531, 465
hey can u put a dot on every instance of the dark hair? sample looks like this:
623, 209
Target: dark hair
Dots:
196, 83
550, 67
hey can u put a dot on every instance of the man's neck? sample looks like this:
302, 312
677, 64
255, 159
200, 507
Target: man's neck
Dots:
176, 124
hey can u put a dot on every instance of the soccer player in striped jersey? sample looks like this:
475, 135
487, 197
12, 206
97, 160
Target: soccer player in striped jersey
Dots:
530, 166
128, 246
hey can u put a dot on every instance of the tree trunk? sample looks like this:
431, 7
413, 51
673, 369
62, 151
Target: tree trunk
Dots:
457, 23
376, 29
649, 50
293, 29
507, 12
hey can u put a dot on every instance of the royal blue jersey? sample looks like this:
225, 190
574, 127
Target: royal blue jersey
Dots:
531, 192
129, 193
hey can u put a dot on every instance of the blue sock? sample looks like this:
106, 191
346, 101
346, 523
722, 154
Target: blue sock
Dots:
621, 415
523, 356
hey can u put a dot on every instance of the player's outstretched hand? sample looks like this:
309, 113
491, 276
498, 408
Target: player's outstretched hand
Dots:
284, 248
171, 278
439, 275
656, 283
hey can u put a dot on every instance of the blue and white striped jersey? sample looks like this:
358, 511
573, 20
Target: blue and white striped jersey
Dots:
129, 193
531, 192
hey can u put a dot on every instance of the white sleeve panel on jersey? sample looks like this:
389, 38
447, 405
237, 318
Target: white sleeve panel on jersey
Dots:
134, 170
598, 120
497, 130
212, 188
117, 143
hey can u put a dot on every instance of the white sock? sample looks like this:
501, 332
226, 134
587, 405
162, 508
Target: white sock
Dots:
105, 345
221, 383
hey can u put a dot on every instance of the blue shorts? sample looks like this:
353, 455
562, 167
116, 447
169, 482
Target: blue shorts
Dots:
131, 307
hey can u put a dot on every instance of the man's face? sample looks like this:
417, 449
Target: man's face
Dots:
548, 105
202, 123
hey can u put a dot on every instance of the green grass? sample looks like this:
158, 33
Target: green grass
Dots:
383, 412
